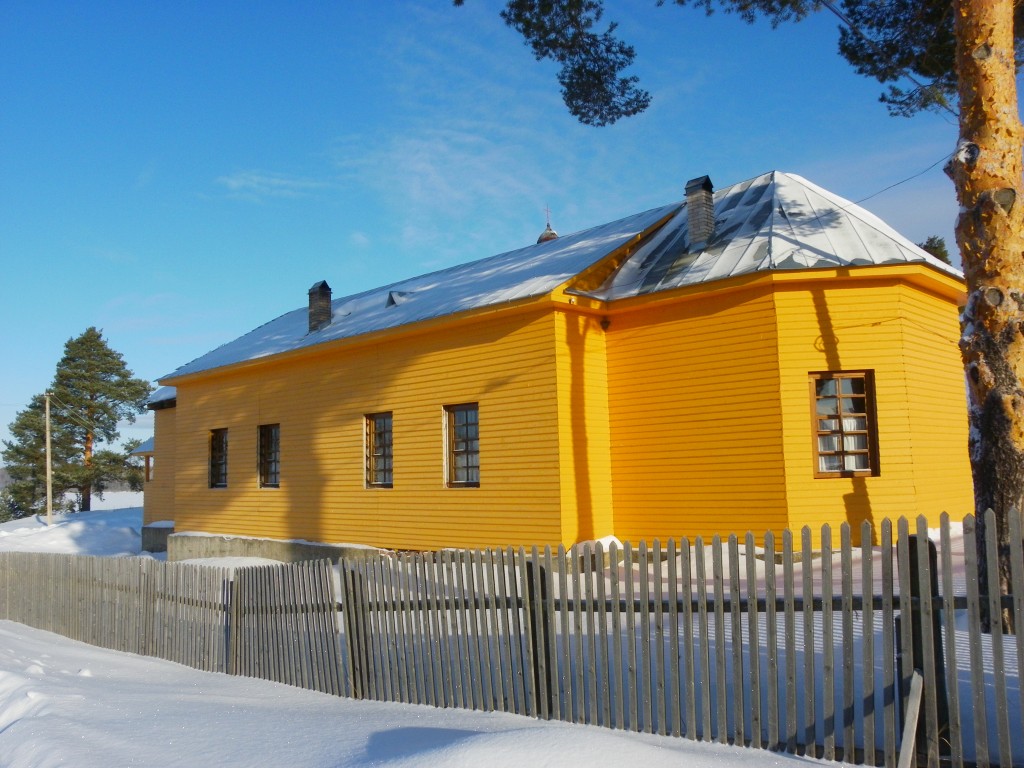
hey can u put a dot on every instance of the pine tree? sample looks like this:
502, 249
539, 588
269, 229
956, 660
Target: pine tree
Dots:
92, 391
936, 246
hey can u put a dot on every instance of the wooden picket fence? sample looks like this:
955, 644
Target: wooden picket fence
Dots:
775, 643
780, 646
275, 623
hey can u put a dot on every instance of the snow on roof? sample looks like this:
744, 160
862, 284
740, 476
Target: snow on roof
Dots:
146, 446
777, 221
162, 395
525, 273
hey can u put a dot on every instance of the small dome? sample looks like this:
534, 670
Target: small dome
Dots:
547, 235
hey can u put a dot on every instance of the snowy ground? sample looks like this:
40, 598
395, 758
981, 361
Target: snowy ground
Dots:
65, 703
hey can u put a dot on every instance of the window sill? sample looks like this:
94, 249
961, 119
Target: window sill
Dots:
844, 473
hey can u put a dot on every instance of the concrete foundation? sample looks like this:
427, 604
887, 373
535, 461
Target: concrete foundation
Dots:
191, 546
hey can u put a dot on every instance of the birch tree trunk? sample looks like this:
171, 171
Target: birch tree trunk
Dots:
986, 170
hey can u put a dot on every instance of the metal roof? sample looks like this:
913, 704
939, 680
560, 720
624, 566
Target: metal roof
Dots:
777, 221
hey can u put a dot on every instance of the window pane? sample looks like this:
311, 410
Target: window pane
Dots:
828, 443
854, 404
828, 406
855, 442
828, 425
857, 462
826, 387
852, 386
830, 463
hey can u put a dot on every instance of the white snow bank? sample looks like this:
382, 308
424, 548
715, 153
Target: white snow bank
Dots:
112, 533
66, 703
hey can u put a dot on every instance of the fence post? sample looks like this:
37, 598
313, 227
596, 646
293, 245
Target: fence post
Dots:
356, 616
234, 624
540, 631
916, 620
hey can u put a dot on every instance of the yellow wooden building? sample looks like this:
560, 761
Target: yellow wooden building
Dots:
757, 358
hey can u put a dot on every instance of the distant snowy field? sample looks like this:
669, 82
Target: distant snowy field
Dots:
64, 703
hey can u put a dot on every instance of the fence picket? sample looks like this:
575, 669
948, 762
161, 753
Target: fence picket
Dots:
630, 632
772, 642
981, 753
591, 573
604, 662
704, 657
577, 637
1017, 589
789, 606
483, 635
995, 612
518, 659
736, 641
673, 594
807, 571
828, 667
928, 661
846, 560
721, 689
889, 683
753, 643
689, 667
867, 580
644, 678
949, 625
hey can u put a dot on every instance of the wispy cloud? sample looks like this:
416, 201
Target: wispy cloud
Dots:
258, 185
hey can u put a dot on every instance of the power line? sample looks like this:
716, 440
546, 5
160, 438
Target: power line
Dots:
74, 416
904, 181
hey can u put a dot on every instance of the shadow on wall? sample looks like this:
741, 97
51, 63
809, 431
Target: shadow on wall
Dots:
857, 501
577, 337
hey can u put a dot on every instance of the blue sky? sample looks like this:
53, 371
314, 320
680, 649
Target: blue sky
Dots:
177, 174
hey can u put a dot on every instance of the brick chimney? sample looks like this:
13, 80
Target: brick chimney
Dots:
319, 306
700, 207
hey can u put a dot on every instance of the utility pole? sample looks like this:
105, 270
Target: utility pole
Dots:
49, 467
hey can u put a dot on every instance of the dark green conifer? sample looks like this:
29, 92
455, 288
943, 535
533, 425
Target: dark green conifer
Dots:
92, 391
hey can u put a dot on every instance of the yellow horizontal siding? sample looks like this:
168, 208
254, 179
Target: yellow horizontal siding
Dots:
506, 365
848, 325
694, 415
159, 492
937, 407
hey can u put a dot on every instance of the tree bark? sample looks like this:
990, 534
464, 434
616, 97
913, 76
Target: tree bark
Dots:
986, 170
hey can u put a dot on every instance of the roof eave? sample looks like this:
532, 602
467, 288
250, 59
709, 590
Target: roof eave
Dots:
923, 275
